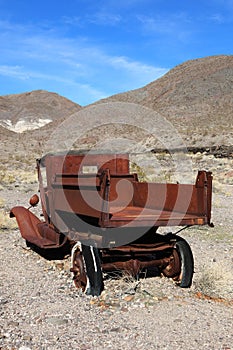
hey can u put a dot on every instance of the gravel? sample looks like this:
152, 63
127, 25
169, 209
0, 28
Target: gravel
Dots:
41, 309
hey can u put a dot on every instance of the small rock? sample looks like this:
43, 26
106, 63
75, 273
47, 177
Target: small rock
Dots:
129, 298
116, 329
13, 323
124, 309
27, 338
56, 320
3, 301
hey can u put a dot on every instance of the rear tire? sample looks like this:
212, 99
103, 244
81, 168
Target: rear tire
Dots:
184, 280
181, 267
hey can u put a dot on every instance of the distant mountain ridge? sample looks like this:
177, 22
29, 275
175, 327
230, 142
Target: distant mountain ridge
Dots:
195, 96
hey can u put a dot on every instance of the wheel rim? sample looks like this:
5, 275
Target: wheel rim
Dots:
78, 268
173, 269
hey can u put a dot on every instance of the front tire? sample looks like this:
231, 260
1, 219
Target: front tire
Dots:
86, 268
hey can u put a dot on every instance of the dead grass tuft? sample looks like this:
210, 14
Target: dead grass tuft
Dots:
15, 176
215, 280
7, 223
7, 177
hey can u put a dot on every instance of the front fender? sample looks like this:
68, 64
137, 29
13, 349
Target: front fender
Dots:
34, 230
26, 221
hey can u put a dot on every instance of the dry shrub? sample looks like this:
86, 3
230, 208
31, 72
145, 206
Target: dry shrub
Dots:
25, 177
7, 177
7, 223
215, 280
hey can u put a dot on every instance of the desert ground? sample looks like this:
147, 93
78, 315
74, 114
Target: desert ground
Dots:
41, 309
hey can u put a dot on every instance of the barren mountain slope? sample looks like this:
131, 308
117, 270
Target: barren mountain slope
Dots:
196, 96
34, 109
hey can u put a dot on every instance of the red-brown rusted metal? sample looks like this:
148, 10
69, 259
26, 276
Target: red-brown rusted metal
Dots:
78, 270
173, 268
134, 266
36, 232
34, 200
100, 191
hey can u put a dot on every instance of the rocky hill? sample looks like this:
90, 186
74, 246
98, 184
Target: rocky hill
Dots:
33, 110
196, 97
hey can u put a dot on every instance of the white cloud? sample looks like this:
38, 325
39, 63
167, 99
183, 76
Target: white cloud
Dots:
170, 24
14, 72
217, 17
136, 67
105, 18
45, 59
225, 6
73, 21
20, 73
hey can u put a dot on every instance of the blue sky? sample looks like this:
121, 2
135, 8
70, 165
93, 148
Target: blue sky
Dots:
89, 49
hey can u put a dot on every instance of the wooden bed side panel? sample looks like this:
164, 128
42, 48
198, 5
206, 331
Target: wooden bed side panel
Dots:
88, 203
170, 197
73, 164
121, 191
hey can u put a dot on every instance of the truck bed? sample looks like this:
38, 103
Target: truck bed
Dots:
153, 217
113, 197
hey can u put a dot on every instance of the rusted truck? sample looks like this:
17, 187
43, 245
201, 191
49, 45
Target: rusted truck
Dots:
98, 211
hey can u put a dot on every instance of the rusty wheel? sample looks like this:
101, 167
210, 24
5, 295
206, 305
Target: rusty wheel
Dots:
86, 269
181, 265
78, 268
